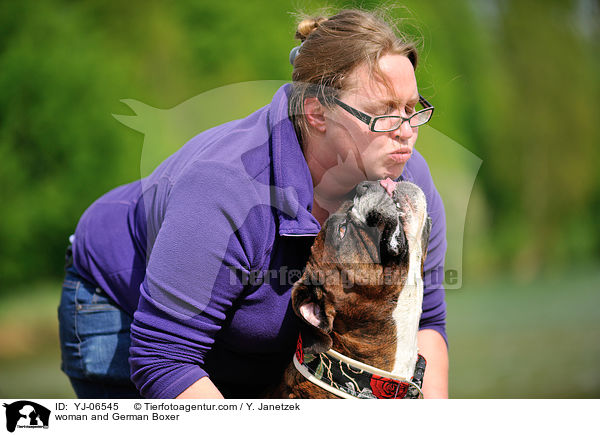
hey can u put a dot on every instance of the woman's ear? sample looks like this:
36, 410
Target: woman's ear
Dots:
310, 305
314, 113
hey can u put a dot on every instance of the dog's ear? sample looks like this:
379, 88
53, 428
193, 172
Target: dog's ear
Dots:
311, 305
425, 241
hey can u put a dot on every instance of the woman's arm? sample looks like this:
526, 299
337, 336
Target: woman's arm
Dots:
203, 388
432, 335
433, 347
211, 236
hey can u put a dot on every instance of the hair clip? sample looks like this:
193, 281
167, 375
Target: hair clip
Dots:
294, 53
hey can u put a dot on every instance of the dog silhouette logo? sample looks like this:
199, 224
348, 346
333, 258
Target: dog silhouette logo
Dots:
26, 414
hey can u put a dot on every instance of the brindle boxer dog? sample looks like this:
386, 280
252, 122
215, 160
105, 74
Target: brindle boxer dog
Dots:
360, 299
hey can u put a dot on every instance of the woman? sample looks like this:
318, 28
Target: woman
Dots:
164, 269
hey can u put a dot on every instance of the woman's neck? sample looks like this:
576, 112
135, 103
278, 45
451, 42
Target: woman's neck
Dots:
324, 206
332, 183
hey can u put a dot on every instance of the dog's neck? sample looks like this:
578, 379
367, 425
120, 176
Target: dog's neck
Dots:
391, 345
366, 330
367, 348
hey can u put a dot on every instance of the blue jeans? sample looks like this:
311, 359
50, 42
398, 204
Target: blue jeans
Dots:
94, 340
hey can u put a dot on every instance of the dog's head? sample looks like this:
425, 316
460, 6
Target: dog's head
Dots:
359, 263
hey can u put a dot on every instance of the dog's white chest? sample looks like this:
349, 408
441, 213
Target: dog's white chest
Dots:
407, 313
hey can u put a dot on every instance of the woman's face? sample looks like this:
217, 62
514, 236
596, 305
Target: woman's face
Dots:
373, 155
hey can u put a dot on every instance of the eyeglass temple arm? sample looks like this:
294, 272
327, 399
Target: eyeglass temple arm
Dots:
426, 104
360, 115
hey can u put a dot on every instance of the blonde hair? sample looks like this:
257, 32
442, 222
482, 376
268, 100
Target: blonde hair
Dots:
332, 48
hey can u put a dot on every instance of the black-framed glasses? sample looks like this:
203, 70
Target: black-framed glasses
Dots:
390, 122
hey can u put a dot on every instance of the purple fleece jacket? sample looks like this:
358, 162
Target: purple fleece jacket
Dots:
203, 253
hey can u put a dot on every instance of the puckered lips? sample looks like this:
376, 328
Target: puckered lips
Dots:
401, 155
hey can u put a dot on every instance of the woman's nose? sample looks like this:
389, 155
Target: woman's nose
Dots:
405, 131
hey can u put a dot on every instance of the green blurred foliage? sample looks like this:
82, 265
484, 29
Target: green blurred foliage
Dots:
514, 82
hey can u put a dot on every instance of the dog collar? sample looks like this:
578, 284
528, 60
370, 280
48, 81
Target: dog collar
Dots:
351, 379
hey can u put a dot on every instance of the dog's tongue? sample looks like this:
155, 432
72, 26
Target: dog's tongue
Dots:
389, 185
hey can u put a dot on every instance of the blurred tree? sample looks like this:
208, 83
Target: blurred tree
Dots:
57, 145
514, 82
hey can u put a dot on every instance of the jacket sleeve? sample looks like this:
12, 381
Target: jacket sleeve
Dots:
194, 274
434, 303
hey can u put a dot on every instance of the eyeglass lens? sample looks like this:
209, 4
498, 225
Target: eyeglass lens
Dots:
392, 122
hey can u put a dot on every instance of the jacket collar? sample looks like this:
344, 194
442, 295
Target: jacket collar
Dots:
293, 183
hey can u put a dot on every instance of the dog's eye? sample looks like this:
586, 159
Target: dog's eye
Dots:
342, 229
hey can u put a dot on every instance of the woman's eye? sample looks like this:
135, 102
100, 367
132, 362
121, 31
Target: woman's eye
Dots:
384, 110
342, 229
